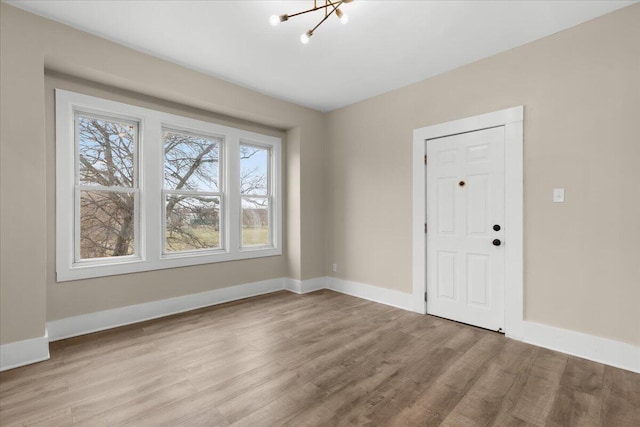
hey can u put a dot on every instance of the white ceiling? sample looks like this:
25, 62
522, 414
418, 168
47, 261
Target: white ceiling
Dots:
385, 45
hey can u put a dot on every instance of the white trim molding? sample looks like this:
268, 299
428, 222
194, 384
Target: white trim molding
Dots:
512, 120
602, 350
13, 355
305, 286
26, 352
372, 293
107, 319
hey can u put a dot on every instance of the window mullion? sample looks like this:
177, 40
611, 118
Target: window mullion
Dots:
233, 211
193, 193
151, 161
98, 188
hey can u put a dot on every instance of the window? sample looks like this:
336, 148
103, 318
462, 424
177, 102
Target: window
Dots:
106, 187
255, 195
139, 190
192, 196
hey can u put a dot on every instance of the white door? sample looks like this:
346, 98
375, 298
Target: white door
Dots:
465, 227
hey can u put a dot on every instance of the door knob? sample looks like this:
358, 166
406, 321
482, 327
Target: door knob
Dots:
496, 227
496, 242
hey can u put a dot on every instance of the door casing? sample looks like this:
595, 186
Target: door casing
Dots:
512, 120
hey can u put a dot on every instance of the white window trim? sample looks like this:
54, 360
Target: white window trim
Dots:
150, 184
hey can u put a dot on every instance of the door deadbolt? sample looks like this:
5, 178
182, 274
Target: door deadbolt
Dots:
461, 184
496, 227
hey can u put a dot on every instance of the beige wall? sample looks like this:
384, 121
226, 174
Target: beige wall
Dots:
29, 294
348, 173
581, 92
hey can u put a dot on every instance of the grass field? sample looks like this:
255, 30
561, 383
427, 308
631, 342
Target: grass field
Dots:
255, 236
210, 238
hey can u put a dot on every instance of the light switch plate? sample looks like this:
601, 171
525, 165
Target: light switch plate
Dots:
558, 195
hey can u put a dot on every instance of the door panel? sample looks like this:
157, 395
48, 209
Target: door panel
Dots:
477, 278
477, 191
465, 198
447, 275
446, 205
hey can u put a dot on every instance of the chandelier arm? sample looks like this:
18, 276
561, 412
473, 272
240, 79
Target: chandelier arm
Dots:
328, 15
315, 8
336, 6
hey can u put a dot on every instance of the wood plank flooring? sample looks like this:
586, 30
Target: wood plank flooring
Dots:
322, 359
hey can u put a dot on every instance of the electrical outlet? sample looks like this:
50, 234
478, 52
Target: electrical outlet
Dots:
334, 267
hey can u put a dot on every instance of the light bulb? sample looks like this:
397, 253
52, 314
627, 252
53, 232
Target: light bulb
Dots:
304, 39
274, 20
343, 17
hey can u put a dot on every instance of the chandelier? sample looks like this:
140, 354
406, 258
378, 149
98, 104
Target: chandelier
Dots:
329, 6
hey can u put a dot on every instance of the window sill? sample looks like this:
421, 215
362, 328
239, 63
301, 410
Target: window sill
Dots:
87, 271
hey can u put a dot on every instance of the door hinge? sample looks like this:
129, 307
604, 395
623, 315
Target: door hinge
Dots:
425, 297
425, 227
425, 159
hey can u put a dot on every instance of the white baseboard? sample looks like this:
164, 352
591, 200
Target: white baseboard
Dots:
13, 355
305, 286
372, 293
26, 352
602, 350
93, 322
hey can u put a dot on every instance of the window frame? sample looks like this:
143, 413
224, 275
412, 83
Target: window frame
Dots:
221, 193
268, 196
150, 229
79, 188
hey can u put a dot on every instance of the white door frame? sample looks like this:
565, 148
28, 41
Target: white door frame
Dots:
512, 120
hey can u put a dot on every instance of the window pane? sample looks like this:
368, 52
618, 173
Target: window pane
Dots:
192, 222
254, 169
106, 151
190, 162
107, 224
255, 221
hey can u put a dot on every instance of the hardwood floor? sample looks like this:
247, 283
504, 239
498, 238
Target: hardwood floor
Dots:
305, 360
